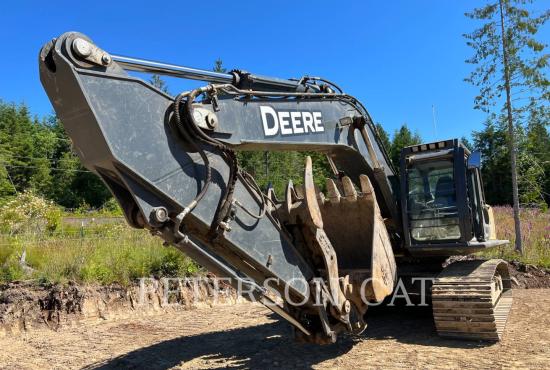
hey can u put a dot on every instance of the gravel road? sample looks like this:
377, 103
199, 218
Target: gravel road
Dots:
248, 336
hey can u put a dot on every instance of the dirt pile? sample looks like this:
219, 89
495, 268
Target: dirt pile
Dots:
523, 275
529, 276
26, 305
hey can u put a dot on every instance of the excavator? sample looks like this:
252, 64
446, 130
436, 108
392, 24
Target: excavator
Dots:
316, 257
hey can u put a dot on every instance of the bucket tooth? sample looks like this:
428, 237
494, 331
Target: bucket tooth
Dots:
333, 193
367, 190
350, 194
272, 199
321, 198
317, 189
290, 193
290, 202
310, 195
366, 185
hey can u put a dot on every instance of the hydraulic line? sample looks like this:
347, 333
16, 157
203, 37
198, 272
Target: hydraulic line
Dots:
208, 175
228, 155
250, 181
305, 79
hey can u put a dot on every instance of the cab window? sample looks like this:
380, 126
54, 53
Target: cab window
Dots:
432, 209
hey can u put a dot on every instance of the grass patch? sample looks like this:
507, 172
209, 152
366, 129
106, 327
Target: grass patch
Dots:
535, 231
100, 254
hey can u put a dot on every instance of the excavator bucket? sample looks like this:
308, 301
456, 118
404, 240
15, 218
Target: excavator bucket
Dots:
350, 217
356, 229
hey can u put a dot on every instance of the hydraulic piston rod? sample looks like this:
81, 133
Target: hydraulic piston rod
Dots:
240, 79
85, 50
150, 66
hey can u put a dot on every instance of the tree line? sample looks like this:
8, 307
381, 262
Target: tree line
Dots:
35, 154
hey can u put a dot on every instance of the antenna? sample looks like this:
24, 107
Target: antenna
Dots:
434, 122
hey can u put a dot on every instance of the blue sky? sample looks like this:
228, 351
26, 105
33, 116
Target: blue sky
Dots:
398, 57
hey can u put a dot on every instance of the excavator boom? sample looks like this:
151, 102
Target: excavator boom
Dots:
170, 163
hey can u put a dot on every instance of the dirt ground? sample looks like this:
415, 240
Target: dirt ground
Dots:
248, 336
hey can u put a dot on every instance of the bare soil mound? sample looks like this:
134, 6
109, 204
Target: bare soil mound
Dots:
524, 276
26, 305
529, 276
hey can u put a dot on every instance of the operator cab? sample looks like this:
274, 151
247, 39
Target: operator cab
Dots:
442, 200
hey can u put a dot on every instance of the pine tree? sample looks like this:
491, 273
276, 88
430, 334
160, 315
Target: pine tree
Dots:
218, 66
7, 188
492, 143
464, 140
159, 83
36, 155
508, 60
538, 146
17, 132
402, 138
384, 137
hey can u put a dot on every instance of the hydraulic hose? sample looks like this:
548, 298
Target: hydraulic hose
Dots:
188, 138
228, 155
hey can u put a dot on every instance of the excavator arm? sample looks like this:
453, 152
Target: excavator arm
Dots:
170, 162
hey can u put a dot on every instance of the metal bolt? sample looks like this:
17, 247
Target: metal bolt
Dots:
159, 214
225, 226
347, 307
82, 48
106, 59
211, 120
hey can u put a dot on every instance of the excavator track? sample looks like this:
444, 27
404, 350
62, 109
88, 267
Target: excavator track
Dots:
472, 300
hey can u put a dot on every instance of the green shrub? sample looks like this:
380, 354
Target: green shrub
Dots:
11, 270
53, 216
29, 213
111, 208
